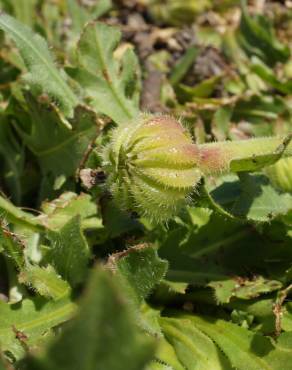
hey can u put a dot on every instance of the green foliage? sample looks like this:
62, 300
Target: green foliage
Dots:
42, 72
90, 335
258, 38
142, 269
116, 76
33, 320
193, 348
243, 349
69, 252
87, 280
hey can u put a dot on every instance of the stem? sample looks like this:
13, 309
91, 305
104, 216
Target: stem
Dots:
243, 155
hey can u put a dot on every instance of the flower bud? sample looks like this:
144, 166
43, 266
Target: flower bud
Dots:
280, 174
151, 166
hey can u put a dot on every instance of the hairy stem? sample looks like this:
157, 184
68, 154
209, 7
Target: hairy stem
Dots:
244, 155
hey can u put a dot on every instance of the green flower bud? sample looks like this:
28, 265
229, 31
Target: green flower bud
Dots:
280, 174
151, 166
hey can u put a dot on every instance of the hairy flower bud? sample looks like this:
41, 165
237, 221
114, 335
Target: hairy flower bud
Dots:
151, 166
281, 174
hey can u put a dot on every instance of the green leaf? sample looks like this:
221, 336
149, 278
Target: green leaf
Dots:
244, 348
15, 215
42, 72
24, 10
158, 366
141, 268
268, 75
33, 319
80, 15
166, 354
117, 221
12, 246
221, 123
184, 268
194, 349
102, 336
110, 83
202, 90
69, 252
45, 281
183, 65
58, 148
13, 157
259, 201
243, 288
59, 211
253, 198
258, 38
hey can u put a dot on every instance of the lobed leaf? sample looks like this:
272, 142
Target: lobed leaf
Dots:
69, 253
110, 83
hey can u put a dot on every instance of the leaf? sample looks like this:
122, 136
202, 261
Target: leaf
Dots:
194, 349
252, 198
243, 288
259, 38
12, 246
158, 366
202, 90
183, 65
33, 319
166, 354
244, 348
58, 149
59, 211
268, 76
24, 10
259, 201
42, 72
141, 268
221, 122
69, 252
116, 221
102, 336
110, 83
45, 281
15, 215
184, 268
13, 157
80, 15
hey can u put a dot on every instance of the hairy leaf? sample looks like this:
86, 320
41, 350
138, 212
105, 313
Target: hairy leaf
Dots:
59, 211
58, 148
109, 82
42, 72
32, 320
88, 338
69, 252
141, 268
45, 281
194, 349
